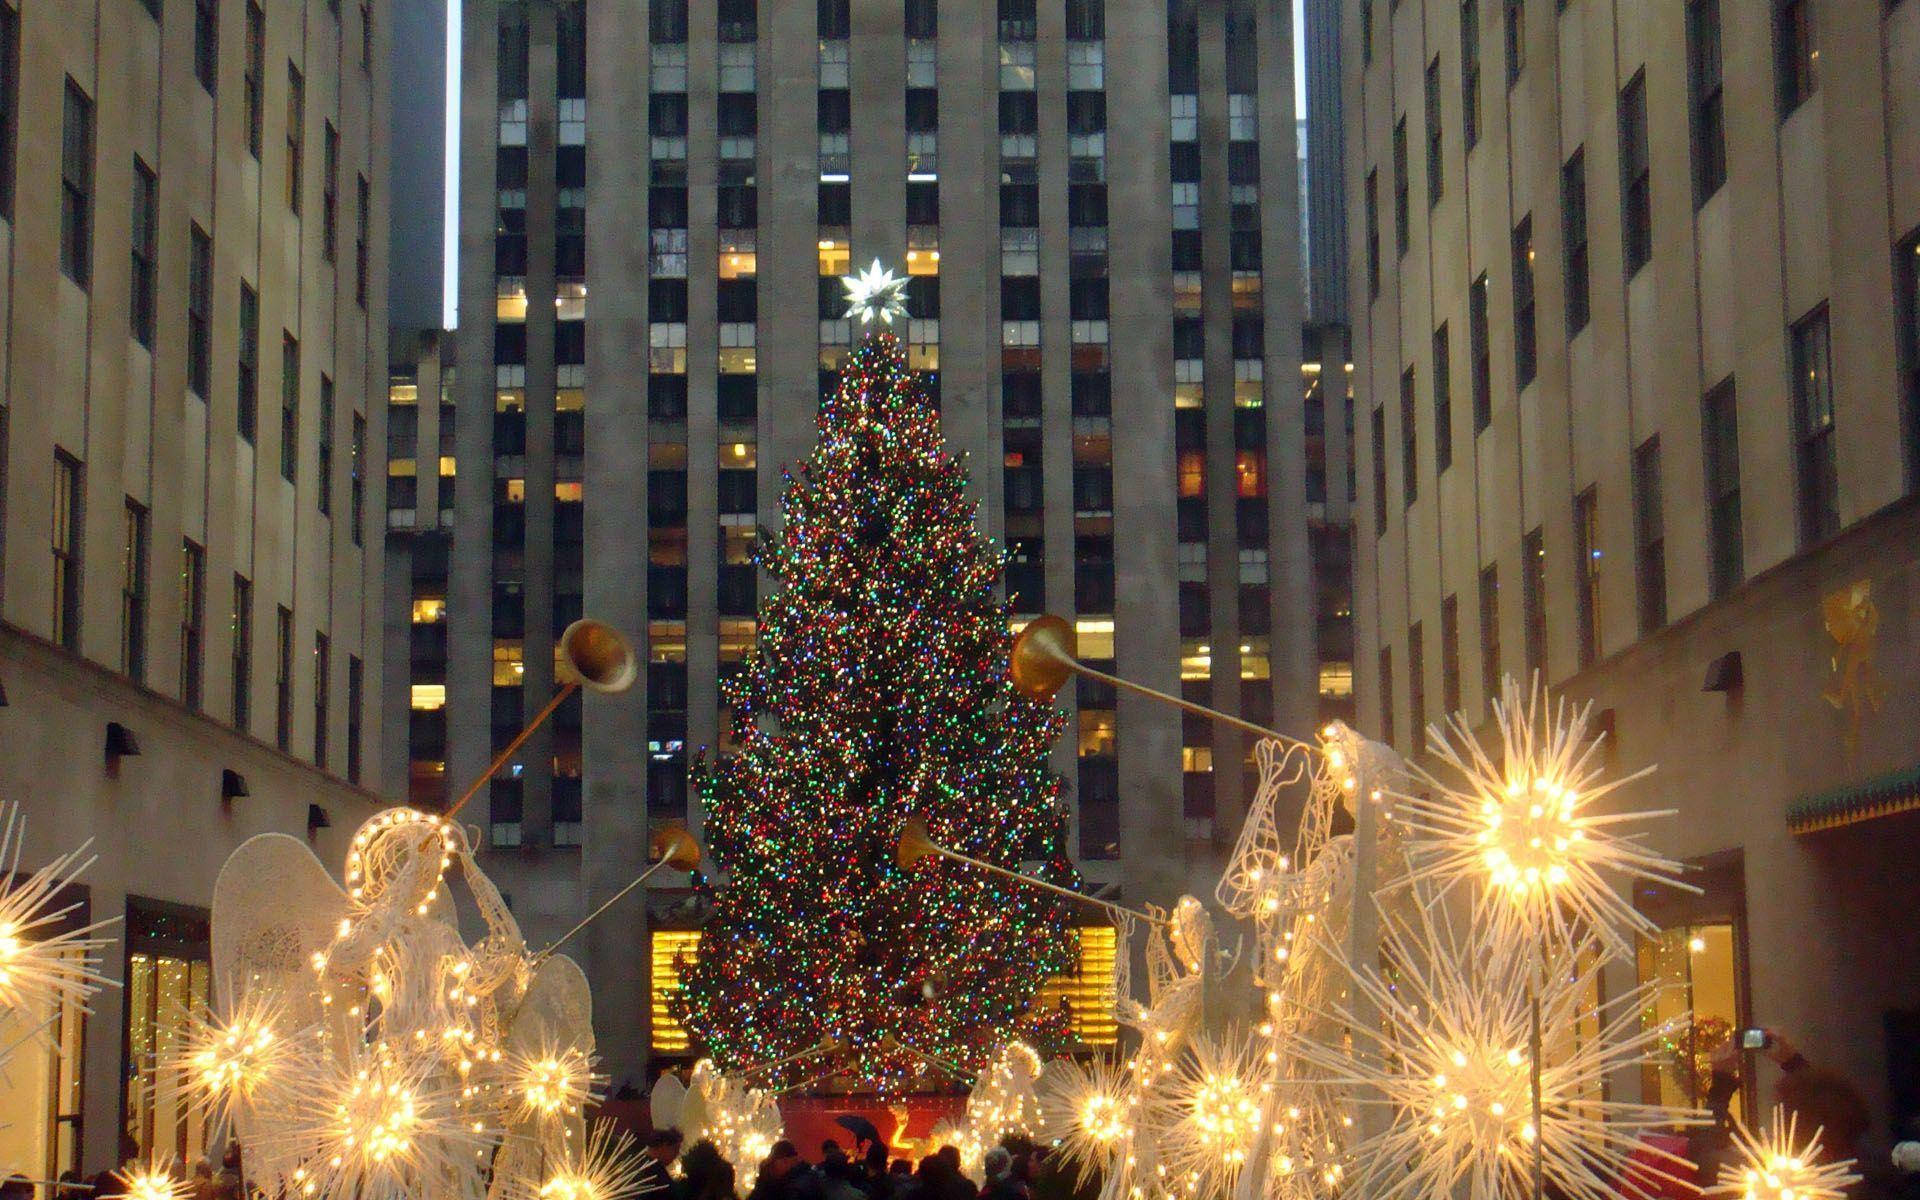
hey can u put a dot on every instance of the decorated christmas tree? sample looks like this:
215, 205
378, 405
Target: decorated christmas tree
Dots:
877, 691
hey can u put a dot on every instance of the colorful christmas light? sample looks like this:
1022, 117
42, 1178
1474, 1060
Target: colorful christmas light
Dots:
877, 690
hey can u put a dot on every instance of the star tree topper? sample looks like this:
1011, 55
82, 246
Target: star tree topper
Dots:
875, 294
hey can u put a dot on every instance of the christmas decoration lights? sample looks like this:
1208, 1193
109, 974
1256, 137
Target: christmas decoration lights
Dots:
877, 690
1776, 1165
1526, 831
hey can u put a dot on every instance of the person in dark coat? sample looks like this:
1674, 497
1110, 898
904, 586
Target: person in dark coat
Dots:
786, 1176
656, 1174
705, 1175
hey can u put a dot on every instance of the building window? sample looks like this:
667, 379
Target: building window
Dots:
145, 215
1372, 200
1649, 537
1798, 53
363, 230
9, 103
1490, 634
76, 186
1442, 401
289, 406
1366, 33
296, 134
366, 36
329, 190
1481, 349
1525, 348
1586, 550
1386, 695
247, 393
1906, 274
1533, 599
1516, 30
242, 652
68, 512
251, 81
357, 478
355, 701
1720, 438
1417, 688
1573, 237
1694, 968
1450, 655
206, 43
322, 652
1409, 441
1470, 72
1706, 116
1819, 485
324, 468
133, 594
1400, 214
193, 617
1636, 189
283, 678
1436, 164
1379, 471
199, 312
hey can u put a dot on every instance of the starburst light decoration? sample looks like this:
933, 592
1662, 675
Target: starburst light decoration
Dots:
875, 294
554, 1081
42, 964
1528, 831
1210, 1112
247, 1057
604, 1166
1776, 1165
152, 1181
1088, 1112
1447, 1066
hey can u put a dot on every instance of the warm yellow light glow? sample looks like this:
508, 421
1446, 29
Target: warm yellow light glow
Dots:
152, 1183
1776, 1165
673, 950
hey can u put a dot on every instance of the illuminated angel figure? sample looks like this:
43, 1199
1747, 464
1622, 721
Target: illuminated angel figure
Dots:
1088, 1111
1527, 830
41, 964
1209, 1112
1449, 1061
606, 1166
1776, 1165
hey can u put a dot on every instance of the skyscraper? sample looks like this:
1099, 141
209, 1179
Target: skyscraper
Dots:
1095, 204
193, 228
1634, 305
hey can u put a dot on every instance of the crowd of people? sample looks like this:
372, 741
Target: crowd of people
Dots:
1015, 1170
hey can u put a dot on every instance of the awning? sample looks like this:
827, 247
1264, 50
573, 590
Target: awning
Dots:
1895, 793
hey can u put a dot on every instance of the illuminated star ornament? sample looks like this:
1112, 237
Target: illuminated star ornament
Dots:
875, 294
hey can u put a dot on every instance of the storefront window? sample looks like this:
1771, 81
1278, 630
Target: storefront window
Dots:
168, 971
1697, 966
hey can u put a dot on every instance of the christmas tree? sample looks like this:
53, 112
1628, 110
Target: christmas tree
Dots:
877, 690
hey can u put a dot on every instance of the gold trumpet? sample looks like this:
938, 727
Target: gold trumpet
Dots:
916, 843
672, 845
1043, 660
592, 654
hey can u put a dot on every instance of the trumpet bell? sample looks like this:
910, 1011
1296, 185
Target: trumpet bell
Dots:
1043, 657
595, 655
673, 843
914, 844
